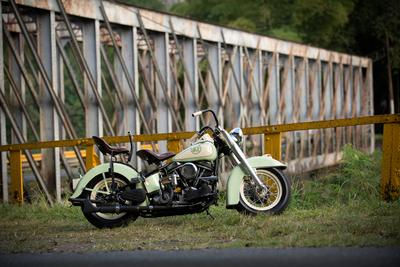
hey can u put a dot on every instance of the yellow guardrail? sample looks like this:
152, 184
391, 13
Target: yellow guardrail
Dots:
390, 179
70, 155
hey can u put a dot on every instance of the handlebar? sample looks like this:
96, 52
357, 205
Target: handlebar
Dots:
203, 130
198, 113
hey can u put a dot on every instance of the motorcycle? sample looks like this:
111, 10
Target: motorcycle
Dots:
112, 194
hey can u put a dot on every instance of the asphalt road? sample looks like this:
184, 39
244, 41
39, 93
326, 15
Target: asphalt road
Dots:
244, 257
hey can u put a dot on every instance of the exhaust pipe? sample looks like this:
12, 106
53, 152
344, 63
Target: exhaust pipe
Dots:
88, 207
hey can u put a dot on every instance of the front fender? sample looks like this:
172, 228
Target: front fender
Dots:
236, 176
122, 169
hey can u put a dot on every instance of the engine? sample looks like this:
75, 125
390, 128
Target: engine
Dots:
186, 183
188, 171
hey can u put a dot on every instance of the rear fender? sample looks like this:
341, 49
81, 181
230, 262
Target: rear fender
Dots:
237, 174
124, 170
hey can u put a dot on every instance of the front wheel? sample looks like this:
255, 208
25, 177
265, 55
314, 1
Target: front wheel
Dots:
254, 199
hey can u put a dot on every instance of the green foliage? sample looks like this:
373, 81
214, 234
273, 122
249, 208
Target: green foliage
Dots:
243, 23
314, 21
249, 16
355, 180
286, 33
318, 20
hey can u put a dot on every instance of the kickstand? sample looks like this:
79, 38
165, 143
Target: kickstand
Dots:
209, 214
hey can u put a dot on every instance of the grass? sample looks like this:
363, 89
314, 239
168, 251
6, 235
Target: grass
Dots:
339, 207
356, 179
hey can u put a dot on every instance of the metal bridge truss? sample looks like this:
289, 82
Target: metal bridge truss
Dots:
119, 68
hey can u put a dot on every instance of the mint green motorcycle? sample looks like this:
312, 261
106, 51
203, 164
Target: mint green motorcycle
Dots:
114, 193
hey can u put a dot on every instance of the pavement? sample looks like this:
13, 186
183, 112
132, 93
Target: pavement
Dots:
243, 257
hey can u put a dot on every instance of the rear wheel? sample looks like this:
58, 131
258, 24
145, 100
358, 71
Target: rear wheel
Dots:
254, 199
99, 189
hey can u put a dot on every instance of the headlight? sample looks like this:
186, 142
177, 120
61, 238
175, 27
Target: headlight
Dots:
237, 135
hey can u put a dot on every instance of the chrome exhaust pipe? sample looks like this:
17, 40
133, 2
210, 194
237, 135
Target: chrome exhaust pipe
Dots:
88, 207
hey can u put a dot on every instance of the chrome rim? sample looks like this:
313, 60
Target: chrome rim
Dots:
257, 198
101, 189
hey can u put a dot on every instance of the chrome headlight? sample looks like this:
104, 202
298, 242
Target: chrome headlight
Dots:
237, 135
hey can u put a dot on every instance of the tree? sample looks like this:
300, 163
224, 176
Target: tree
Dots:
373, 27
317, 21
312, 21
250, 16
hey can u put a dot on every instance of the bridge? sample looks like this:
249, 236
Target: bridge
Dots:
72, 69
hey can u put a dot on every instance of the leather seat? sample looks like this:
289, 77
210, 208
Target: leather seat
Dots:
152, 157
105, 148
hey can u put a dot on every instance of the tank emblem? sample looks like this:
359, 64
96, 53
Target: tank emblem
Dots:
195, 149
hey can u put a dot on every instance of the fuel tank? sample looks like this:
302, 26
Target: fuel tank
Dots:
202, 149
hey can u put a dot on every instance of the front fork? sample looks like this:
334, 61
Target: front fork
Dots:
239, 157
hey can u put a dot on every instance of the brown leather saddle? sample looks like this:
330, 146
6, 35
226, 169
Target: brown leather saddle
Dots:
105, 148
146, 155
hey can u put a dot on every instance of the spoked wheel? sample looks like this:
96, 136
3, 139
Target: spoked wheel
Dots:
274, 199
99, 191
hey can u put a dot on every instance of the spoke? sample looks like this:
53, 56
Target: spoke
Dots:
274, 195
259, 199
105, 181
270, 200
98, 191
